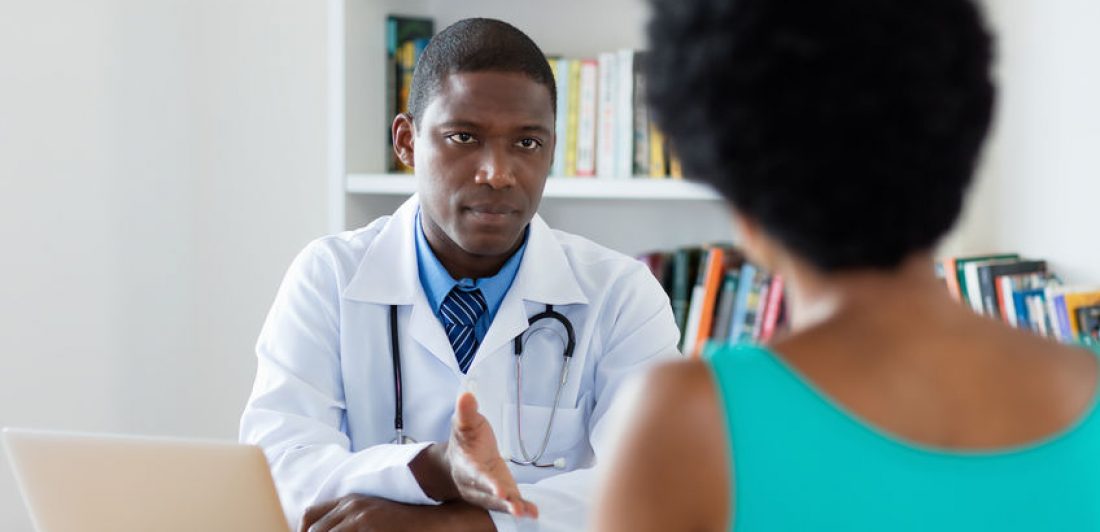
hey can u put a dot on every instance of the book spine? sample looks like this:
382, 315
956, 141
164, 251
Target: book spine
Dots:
1065, 330
712, 280
771, 314
725, 306
561, 114
641, 120
675, 169
606, 121
951, 278
680, 289
624, 116
658, 166
740, 305
761, 308
586, 126
988, 292
1005, 302
573, 119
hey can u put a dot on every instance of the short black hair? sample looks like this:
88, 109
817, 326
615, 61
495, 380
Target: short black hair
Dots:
477, 45
849, 129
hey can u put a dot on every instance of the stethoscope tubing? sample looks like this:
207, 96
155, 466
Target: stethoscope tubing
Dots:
567, 356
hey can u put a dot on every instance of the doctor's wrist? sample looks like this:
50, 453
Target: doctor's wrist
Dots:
433, 473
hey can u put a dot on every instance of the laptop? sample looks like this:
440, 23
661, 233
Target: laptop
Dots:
98, 483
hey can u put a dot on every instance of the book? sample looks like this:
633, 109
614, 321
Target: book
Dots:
1075, 300
1055, 298
758, 309
624, 114
750, 329
400, 61
703, 296
641, 126
607, 119
725, 305
658, 165
744, 311
682, 274
675, 169
1088, 318
560, 68
573, 118
1008, 286
586, 119
772, 309
950, 278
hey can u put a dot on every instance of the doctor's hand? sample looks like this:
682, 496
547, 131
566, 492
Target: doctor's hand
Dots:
480, 474
360, 513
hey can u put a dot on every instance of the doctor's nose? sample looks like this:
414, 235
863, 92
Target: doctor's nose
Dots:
496, 170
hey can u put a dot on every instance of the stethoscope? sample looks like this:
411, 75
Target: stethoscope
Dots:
567, 355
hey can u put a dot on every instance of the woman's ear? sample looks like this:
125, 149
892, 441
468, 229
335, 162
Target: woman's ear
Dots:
403, 132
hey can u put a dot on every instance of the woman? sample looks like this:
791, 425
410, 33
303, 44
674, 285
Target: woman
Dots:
843, 134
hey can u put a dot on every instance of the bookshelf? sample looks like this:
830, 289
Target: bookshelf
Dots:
630, 215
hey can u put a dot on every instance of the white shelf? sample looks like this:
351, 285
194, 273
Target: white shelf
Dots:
558, 187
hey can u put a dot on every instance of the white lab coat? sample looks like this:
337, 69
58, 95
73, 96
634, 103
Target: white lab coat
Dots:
322, 406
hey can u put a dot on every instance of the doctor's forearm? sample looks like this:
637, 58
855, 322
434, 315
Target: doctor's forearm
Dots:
433, 474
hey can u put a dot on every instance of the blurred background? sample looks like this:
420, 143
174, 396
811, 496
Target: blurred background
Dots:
161, 162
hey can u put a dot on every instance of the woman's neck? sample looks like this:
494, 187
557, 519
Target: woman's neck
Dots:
815, 297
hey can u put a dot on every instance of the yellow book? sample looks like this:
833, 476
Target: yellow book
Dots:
657, 166
1076, 300
574, 118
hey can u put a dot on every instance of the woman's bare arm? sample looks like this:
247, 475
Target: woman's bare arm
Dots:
671, 469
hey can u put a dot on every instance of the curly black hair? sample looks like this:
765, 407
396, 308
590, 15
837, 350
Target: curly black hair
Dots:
849, 129
477, 45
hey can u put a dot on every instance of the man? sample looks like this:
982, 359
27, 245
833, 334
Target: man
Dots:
375, 332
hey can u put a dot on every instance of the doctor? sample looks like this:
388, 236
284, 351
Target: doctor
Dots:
375, 332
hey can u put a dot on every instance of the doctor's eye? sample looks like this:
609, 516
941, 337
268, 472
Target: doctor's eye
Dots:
462, 138
529, 144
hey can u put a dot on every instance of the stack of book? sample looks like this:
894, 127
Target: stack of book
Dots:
718, 296
1025, 294
604, 128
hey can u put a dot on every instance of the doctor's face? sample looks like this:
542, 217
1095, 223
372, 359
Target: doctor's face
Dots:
481, 152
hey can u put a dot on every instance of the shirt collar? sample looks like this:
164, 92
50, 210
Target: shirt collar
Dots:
437, 282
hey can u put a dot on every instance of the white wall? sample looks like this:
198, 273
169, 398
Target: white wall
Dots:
160, 164
1038, 191
1046, 151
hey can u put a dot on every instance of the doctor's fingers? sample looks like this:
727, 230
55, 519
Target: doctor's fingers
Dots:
467, 418
316, 512
512, 503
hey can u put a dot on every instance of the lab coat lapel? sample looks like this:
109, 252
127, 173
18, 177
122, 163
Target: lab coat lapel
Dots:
545, 276
388, 275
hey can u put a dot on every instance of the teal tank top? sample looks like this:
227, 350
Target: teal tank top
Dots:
802, 462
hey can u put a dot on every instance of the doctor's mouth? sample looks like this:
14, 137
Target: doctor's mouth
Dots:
492, 213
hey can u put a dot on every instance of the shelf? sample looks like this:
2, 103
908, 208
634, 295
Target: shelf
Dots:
641, 188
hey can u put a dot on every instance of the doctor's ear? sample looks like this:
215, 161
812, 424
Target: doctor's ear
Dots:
403, 131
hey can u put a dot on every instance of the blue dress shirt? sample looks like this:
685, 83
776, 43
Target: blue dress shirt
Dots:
437, 282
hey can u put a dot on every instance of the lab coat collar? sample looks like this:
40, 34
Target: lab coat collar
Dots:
388, 273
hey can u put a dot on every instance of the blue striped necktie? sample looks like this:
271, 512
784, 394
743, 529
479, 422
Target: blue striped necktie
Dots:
459, 312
